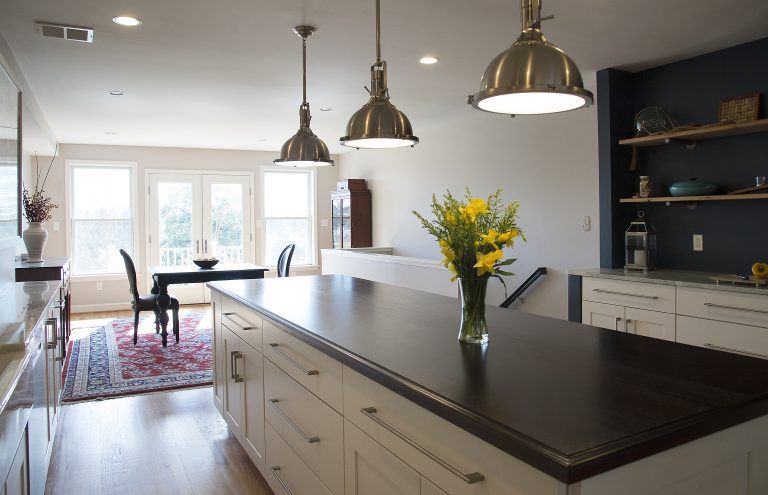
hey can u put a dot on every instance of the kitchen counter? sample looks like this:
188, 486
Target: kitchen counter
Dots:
680, 278
571, 400
22, 308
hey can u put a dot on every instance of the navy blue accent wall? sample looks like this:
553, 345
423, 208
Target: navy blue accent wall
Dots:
735, 232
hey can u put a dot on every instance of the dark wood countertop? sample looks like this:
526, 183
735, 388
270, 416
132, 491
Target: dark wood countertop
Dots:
569, 399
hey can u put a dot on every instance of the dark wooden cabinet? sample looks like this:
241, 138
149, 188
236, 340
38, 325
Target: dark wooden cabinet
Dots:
54, 268
351, 213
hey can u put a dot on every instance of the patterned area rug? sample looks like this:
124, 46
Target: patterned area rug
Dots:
103, 362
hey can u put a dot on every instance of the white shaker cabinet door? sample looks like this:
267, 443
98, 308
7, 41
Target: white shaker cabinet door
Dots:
233, 384
251, 369
373, 470
650, 323
603, 315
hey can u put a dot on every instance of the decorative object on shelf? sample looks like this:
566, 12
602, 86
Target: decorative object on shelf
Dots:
351, 214
739, 109
37, 209
640, 245
304, 149
379, 124
206, 263
645, 187
760, 180
653, 120
472, 235
692, 187
533, 76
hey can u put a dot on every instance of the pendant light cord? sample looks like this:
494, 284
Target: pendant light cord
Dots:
378, 32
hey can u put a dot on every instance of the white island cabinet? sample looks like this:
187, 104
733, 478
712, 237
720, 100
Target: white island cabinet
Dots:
335, 411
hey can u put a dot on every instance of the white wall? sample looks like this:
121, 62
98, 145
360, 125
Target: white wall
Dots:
115, 292
549, 163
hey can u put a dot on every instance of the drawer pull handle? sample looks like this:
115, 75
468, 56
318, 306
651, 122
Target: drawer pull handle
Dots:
247, 327
233, 357
53, 324
735, 351
290, 422
302, 368
274, 470
470, 478
736, 308
616, 293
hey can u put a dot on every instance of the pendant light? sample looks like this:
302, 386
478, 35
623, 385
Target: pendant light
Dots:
533, 76
304, 149
379, 124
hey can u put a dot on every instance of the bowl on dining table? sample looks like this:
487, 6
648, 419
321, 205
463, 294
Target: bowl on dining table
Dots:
206, 263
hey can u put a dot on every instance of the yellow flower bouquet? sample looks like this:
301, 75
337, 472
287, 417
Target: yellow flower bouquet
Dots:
472, 235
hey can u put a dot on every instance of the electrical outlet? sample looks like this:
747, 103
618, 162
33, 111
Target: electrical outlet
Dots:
99, 285
323, 222
56, 225
586, 223
698, 242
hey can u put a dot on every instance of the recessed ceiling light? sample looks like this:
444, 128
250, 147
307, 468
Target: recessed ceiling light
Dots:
428, 60
116, 93
124, 20
326, 109
111, 133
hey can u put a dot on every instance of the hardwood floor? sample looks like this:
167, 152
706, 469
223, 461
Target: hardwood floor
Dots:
165, 443
128, 313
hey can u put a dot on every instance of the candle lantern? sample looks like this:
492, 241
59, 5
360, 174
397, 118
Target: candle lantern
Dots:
640, 245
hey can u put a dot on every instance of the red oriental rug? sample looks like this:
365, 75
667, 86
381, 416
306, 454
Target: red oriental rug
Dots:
103, 362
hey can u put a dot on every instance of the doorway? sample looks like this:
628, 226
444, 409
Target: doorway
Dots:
199, 215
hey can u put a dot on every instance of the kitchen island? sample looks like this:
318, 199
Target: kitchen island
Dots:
363, 382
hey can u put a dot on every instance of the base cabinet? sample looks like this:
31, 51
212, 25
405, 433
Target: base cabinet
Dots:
218, 359
17, 483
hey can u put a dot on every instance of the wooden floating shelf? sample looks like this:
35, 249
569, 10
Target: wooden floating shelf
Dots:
699, 133
689, 199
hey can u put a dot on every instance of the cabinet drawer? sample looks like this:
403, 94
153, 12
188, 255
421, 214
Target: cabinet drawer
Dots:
243, 321
734, 307
319, 373
448, 456
640, 295
723, 336
286, 473
310, 427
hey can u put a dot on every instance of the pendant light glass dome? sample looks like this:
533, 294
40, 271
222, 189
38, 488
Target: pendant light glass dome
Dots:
533, 76
379, 124
304, 149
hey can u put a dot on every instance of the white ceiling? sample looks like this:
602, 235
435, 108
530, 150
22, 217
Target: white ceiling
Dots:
208, 74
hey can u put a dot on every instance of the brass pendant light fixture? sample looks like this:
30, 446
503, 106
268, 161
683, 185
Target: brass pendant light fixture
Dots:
379, 124
304, 149
533, 76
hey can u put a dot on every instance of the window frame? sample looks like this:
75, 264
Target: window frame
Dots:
312, 217
70, 165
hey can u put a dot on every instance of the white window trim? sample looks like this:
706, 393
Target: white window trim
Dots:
68, 164
261, 224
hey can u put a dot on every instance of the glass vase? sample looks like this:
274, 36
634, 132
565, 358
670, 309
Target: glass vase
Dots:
473, 328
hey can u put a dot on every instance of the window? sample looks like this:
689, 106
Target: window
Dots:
101, 217
289, 210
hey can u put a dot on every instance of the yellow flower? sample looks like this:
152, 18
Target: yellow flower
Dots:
506, 238
452, 269
485, 262
491, 238
450, 218
475, 207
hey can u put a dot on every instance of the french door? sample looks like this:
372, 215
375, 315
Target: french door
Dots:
196, 215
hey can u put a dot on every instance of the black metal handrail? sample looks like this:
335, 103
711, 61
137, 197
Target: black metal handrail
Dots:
524, 286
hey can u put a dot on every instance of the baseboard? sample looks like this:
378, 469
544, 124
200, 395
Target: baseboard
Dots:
90, 308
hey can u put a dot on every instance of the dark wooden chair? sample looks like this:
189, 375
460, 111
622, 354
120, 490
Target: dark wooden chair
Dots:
284, 260
146, 302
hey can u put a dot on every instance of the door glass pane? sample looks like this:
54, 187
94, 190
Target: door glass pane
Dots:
175, 223
227, 223
280, 232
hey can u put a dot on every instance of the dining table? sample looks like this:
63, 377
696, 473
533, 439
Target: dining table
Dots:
163, 276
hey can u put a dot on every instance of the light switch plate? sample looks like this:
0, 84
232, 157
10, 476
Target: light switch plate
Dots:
323, 222
586, 223
698, 242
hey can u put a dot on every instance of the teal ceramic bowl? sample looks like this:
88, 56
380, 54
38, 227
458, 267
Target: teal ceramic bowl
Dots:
692, 187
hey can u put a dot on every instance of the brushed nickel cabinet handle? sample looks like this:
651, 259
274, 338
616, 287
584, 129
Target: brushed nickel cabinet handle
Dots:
297, 365
52, 323
616, 293
470, 478
735, 351
290, 422
248, 326
233, 357
274, 470
735, 308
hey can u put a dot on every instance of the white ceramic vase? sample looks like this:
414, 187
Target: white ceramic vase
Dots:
34, 239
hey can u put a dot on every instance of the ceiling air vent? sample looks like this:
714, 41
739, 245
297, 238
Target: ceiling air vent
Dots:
64, 32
